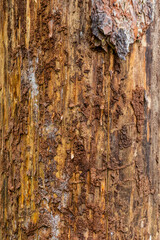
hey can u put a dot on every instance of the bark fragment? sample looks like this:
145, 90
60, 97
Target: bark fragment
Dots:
120, 22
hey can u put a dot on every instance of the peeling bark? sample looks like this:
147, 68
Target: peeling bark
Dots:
121, 22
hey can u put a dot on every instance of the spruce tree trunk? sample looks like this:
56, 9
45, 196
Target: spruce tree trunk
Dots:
79, 126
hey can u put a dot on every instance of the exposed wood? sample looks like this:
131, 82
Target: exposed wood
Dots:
79, 127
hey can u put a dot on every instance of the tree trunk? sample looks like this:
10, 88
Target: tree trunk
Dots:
79, 126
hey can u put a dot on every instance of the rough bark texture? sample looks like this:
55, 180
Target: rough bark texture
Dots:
79, 127
120, 22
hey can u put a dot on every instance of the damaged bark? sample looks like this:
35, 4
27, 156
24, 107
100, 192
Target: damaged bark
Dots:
79, 127
120, 23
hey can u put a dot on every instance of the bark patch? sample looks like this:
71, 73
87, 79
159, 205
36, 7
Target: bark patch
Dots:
120, 23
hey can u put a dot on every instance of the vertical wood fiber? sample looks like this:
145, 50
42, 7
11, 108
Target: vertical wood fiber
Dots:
79, 128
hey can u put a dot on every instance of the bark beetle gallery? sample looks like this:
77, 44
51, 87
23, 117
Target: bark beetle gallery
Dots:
79, 125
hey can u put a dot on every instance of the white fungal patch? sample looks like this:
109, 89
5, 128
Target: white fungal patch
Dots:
34, 86
54, 222
65, 199
50, 131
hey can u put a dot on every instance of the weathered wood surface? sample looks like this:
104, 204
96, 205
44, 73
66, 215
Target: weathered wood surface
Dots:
79, 128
